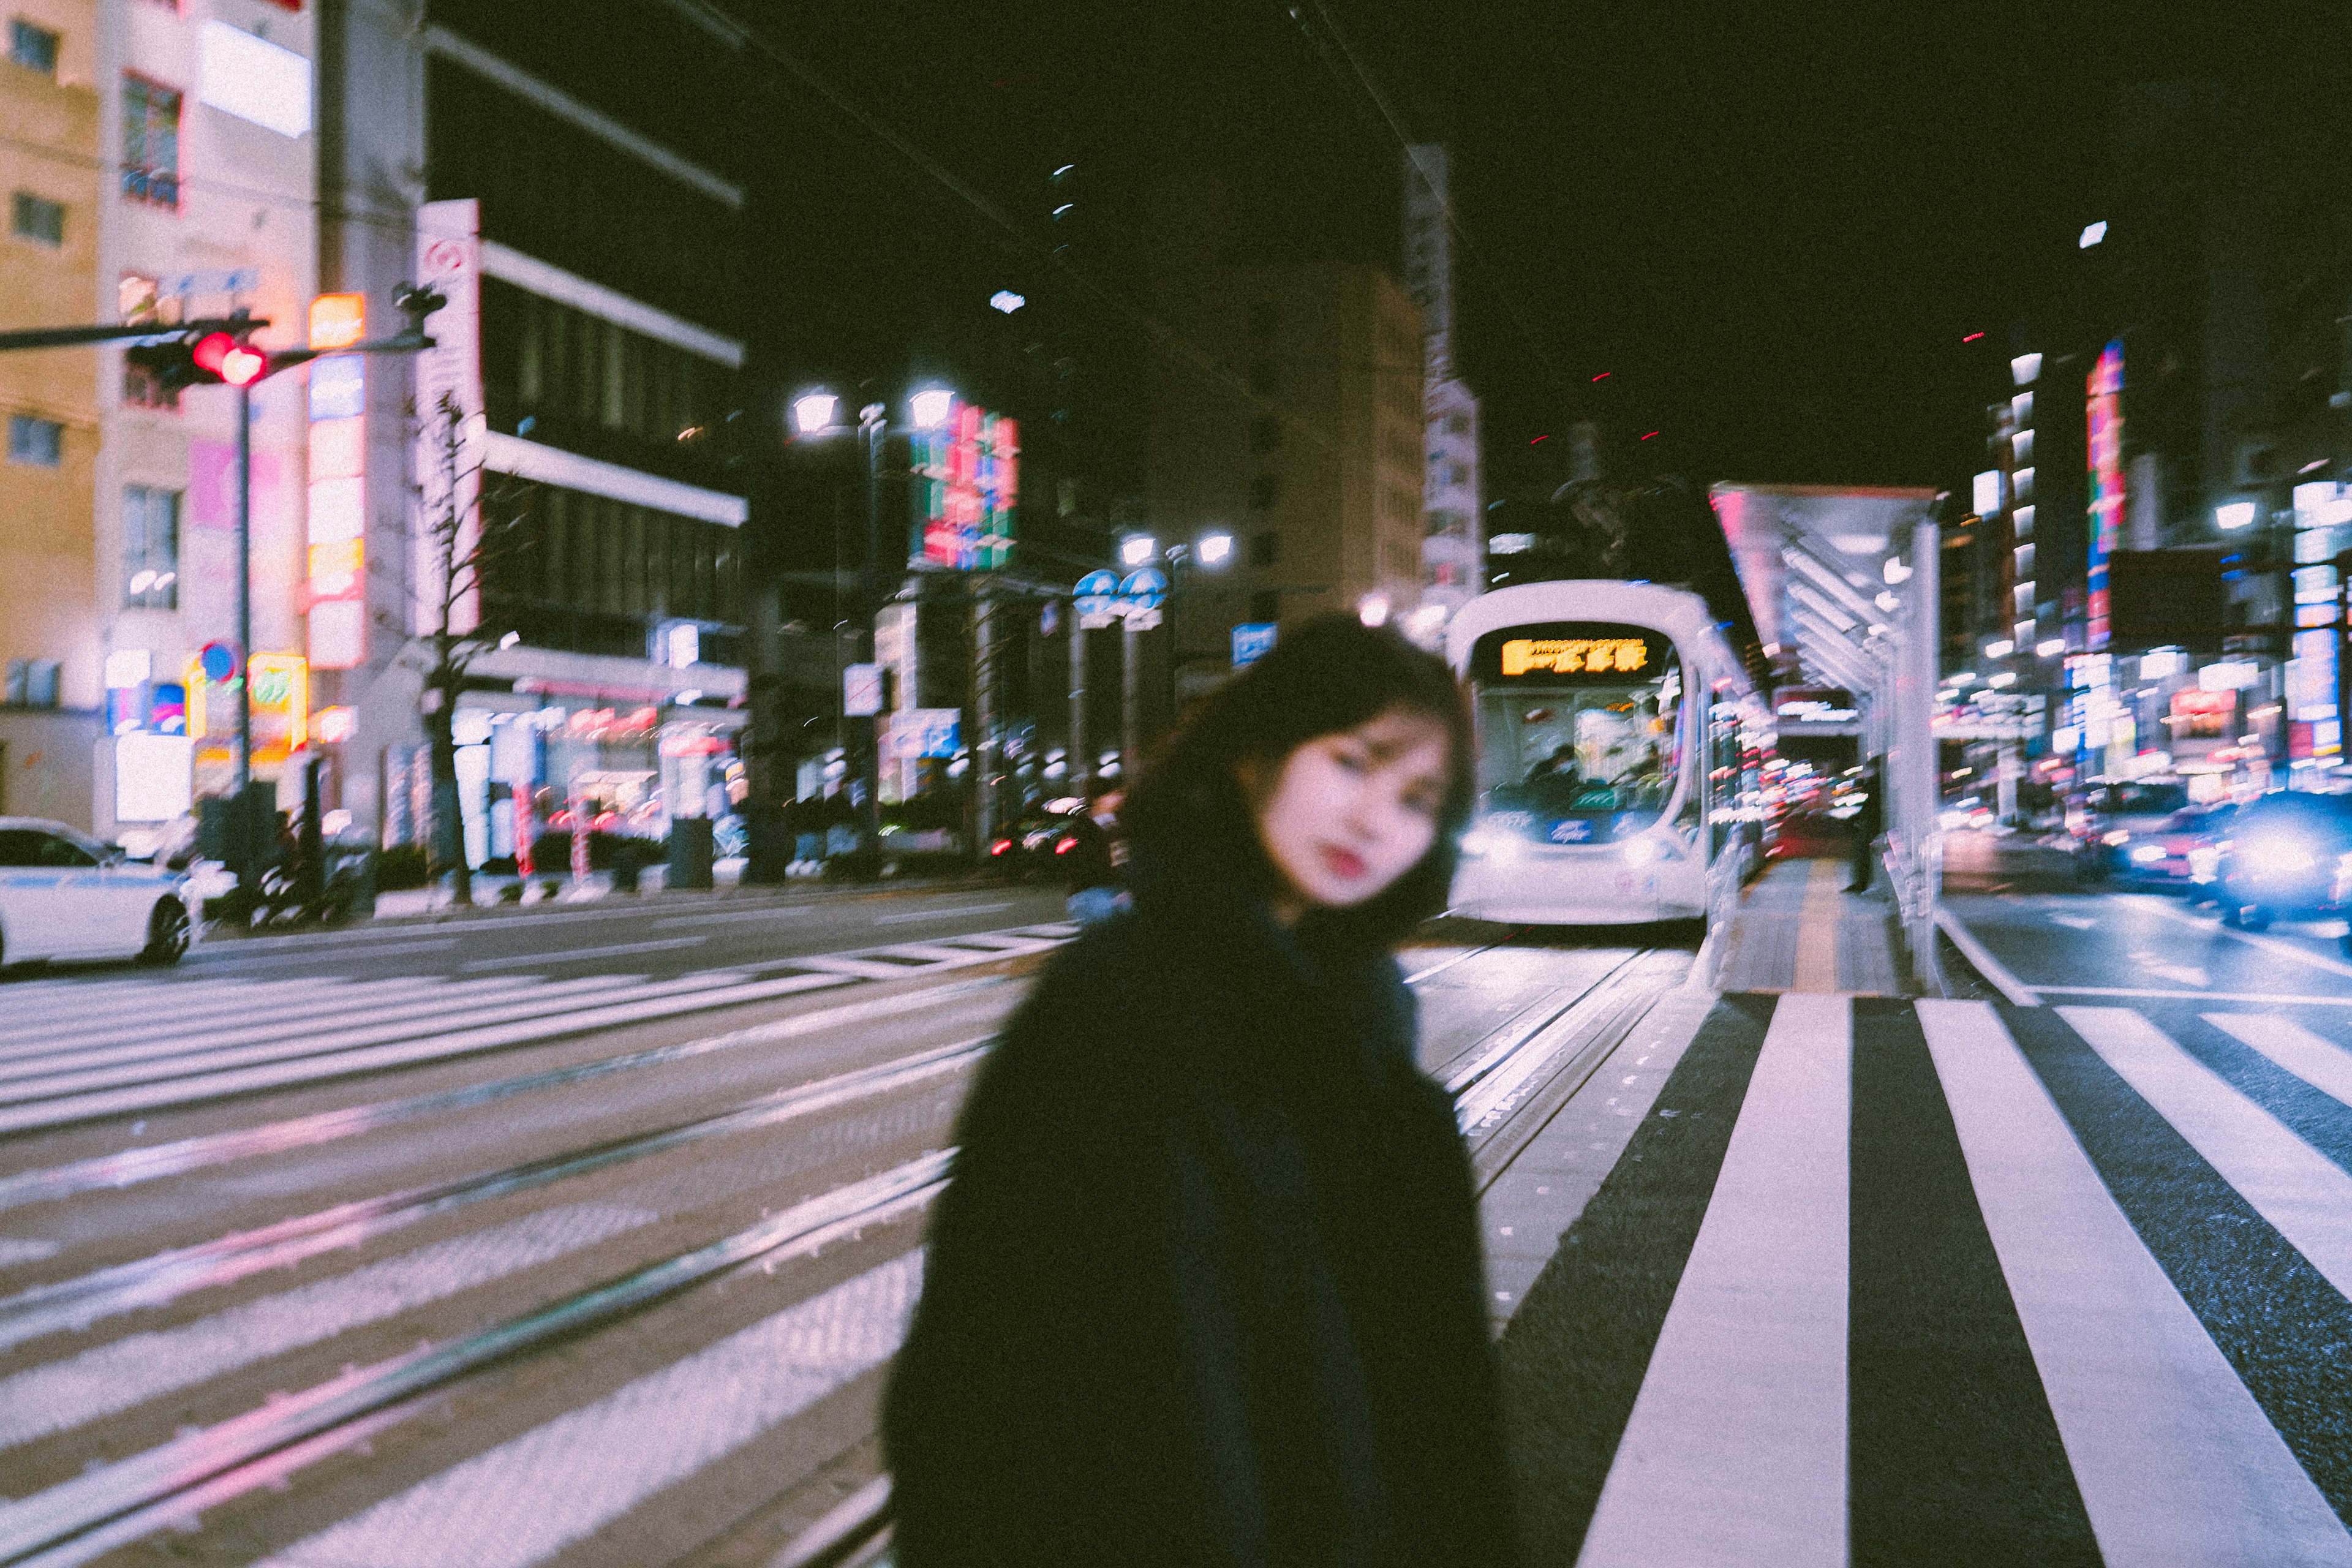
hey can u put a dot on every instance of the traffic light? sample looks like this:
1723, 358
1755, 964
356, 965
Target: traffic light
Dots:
200, 359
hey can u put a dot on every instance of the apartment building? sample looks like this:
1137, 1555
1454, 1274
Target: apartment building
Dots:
48, 263
1306, 446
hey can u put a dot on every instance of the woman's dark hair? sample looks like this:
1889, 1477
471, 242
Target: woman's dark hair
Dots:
1326, 675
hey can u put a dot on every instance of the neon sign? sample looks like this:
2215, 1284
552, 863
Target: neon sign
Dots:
966, 487
1573, 656
338, 527
2106, 421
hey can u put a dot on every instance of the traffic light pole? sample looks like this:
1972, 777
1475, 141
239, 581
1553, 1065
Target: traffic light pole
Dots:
244, 770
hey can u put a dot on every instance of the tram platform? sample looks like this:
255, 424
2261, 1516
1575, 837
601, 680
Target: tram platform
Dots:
1798, 929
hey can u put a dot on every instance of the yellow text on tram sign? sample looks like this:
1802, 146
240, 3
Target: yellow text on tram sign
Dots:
1571, 656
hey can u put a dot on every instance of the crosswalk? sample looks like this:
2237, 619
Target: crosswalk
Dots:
1872, 1282
72, 1051
1957, 1282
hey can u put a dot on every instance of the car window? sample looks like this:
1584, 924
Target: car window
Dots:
63, 853
21, 846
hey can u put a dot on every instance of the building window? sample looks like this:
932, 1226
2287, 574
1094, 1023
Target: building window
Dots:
32, 47
1266, 547
1265, 607
151, 142
151, 548
1264, 491
31, 683
37, 218
35, 441
1266, 434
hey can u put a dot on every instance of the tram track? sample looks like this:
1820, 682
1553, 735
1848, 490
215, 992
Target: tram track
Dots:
1509, 1082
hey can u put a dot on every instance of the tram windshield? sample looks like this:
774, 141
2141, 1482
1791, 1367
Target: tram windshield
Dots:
1577, 734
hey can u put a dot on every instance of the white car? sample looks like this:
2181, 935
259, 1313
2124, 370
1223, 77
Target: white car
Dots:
64, 895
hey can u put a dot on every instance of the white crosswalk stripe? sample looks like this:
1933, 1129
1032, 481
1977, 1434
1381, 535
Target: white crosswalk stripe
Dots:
2176, 1462
63, 1067
586, 1469
1736, 1449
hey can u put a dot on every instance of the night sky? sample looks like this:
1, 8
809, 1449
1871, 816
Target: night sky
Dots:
1771, 227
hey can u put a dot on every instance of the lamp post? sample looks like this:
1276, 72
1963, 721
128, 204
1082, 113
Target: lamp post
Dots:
816, 414
1137, 550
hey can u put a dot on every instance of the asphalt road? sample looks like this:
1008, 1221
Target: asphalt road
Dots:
541, 1243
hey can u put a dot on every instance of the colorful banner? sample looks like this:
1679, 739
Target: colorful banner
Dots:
2107, 455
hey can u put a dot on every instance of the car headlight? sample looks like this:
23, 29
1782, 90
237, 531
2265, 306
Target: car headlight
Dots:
2147, 854
2277, 857
2119, 836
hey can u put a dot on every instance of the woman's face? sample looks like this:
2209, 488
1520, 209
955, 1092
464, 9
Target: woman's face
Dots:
1350, 812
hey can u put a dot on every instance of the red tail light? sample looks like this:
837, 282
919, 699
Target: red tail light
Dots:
999, 846
1065, 845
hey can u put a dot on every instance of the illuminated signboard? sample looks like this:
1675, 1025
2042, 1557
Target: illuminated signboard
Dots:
338, 558
2106, 453
282, 708
966, 474
1572, 652
1574, 656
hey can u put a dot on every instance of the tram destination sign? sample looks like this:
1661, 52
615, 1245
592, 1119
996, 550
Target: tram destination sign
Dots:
1598, 653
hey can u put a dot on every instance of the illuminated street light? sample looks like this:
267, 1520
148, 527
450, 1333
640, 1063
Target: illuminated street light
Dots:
2005, 678
1372, 609
1006, 300
2000, 649
813, 412
1216, 549
2050, 648
932, 407
1136, 548
2235, 514
2092, 235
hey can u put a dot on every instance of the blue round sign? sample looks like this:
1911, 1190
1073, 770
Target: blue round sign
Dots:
1098, 593
1145, 588
218, 660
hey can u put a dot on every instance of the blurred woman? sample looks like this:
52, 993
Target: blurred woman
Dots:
1206, 1287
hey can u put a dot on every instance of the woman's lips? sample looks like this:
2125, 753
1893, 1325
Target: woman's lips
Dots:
1344, 863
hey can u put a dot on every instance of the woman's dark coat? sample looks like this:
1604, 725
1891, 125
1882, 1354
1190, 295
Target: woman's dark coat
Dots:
1206, 1287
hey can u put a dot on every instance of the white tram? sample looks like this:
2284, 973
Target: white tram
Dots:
1621, 754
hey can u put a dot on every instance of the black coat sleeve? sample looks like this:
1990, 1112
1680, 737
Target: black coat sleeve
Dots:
1067, 1394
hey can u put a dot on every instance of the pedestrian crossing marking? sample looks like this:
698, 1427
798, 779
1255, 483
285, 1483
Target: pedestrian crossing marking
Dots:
2176, 1461
2303, 1195
1754, 1342
2328, 1068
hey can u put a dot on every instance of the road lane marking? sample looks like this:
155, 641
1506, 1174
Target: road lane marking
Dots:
941, 914
2175, 1460
1980, 958
100, 1382
2319, 1062
2290, 998
591, 1466
206, 1034
573, 955
2269, 945
2303, 1195
777, 912
215, 960
1754, 1342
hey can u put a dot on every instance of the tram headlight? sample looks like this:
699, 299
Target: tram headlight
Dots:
1639, 851
1485, 843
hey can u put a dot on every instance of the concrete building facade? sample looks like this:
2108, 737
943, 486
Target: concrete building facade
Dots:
1306, 445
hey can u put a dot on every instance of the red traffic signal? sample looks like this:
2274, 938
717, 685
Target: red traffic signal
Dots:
224, 358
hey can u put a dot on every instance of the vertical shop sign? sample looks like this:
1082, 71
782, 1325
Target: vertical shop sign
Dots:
2107, 455
338, 496
449, 378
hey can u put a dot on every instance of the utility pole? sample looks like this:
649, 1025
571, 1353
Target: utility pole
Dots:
983, 716
243, 775
1078, 764
1131, 676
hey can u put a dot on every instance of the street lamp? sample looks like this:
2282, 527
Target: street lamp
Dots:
1137, 548
812, 412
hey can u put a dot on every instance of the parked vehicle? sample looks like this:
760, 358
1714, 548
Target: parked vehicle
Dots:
64, 895
2287, 856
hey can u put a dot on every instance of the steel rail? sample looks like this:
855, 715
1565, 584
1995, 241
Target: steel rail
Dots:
131, 1167
163, 1277
79, 1519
